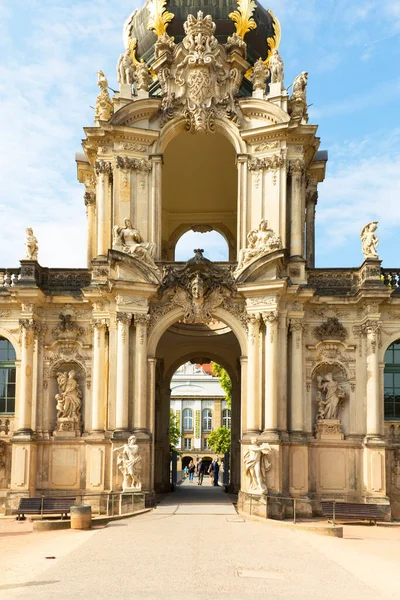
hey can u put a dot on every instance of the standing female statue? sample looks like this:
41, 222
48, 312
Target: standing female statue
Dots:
31, 244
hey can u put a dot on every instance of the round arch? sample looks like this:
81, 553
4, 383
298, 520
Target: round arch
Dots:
176, 315
390, 338
178, 126
7, 335
211, 355
220, 228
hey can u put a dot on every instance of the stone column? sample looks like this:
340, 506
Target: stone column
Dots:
271, 370
90, 203
122, 382
283, 367
296, 238
156, 210
28, 328
242, 203
103, 172
297, 383
140, 402
372, 330
253, 375
311, 201
99, 384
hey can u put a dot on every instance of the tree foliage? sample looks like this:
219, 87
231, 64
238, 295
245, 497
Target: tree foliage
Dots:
224, 380
219, 440
174, 431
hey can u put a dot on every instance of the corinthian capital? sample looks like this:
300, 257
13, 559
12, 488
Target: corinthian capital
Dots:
123, 317
102, 167
297, 166
141, 319
271, 316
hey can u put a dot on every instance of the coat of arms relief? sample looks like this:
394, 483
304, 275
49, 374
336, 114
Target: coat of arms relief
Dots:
200, 78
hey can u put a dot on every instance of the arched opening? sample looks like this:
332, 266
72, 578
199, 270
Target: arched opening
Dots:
7, 377
188, 390
199, 189
213, 243
392, 382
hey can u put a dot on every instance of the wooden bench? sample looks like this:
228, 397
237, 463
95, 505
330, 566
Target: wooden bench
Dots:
351, 511
43, 506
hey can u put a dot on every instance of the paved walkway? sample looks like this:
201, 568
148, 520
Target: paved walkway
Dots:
178, 552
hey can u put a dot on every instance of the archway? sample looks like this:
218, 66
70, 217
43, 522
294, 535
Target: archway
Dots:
199, 189
198, 343
215, 245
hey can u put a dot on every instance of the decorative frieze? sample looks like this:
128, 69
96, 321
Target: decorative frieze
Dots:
133, 164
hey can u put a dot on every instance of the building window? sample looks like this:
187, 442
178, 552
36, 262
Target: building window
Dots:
187, 443
207, 419
392, 382
205, 444
187, 420
226, 418
7, 377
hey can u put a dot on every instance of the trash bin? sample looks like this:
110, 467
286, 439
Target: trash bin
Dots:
81, 517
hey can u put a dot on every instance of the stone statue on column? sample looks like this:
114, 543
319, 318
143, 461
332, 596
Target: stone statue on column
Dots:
31, 243
128, 463
259, 75
298, 101
275, 66
256, 466
104, 107
125, 68
370, 240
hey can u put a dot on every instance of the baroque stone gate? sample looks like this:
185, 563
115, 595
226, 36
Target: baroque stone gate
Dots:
202, 135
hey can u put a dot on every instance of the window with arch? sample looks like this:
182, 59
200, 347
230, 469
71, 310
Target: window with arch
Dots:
226, 418
7, 377
392, 382
207, 419
187, 419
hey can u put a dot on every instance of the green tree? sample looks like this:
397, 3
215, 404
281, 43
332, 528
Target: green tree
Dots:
219, 440
174, 431
224, 380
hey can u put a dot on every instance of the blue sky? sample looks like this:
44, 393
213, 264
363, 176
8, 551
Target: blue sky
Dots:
50, 53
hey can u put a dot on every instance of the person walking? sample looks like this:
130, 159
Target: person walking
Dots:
215, 468
200, 471
211, 473
191, 469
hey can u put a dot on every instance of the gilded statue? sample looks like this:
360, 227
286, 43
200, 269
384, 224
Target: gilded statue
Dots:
370, 240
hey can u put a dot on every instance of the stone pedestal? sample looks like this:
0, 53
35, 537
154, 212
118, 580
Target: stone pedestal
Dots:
328, 429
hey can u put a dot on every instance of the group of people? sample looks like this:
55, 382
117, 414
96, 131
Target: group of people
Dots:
200, 468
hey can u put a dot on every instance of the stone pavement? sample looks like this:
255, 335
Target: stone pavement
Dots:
194, 546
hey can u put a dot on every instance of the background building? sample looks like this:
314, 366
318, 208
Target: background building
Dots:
199, 404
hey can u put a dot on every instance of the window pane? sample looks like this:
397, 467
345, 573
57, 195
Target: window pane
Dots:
3, 382
10, 405
2, 405
389, 380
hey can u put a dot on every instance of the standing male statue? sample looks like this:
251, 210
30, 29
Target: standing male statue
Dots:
128, 463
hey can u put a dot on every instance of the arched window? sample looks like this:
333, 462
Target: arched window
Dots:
187, 419
226, 418
214, 244
207, 419
7, 377
392, 382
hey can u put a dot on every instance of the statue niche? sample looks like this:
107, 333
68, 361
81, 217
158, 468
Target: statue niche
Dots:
329, 395
68, 400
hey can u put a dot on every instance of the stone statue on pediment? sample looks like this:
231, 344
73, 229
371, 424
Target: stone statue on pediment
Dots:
129, 240
125, 68
261, 241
